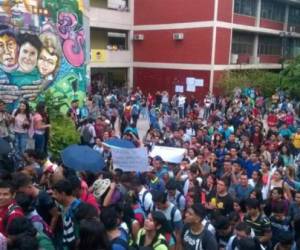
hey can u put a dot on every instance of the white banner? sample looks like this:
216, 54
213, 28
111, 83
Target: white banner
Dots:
168, 154
130, 159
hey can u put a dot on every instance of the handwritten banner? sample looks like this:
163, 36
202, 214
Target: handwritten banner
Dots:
134, 159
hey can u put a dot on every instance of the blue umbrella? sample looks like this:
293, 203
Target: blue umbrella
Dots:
82, 158
119, 143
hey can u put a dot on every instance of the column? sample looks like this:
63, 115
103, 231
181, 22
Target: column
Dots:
255, 50
286, 18
258, 13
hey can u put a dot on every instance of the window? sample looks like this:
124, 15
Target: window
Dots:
269, 45
245, 7
117, 41
272, 10
242, 43
294, 16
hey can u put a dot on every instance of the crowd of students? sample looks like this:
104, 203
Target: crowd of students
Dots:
237, 186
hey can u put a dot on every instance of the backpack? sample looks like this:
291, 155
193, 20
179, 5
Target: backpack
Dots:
9, 212
135, 111
173, 211
142, 202
46, 228
120, 241
86, 134
178, 199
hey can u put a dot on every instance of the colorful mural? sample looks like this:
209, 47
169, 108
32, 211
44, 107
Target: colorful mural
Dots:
42, 46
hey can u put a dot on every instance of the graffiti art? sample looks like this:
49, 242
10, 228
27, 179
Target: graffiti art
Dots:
42, 46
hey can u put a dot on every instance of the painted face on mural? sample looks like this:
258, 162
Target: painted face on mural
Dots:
8, 52
27, 58
47, 63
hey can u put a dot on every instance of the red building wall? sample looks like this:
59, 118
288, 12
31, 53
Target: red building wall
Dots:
159, 46
225, 10
152, 80
269, 58
265, 23
245, 20
223, 44
172, 11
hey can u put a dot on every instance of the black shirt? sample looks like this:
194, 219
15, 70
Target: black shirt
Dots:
224, 204
203, 241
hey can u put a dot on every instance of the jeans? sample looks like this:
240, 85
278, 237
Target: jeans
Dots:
181, 112
39, 142
21, 143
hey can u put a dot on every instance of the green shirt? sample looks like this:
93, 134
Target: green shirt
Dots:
160, 243
20, 79
44, 242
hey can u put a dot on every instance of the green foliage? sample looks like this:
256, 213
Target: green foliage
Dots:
291, 78
267, 82
63, 131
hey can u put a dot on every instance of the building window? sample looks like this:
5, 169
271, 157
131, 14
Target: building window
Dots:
294, 16
245, 7
272, 10
242, 43
269, 45
117, 41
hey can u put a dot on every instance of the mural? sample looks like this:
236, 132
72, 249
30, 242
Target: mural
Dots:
42, 46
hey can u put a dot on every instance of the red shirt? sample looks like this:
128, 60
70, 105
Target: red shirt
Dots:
17, 212
272, 120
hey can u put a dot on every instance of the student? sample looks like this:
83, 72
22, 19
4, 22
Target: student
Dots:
118, 238
63, 194
194, 235
42, 201
150, 236
258, 222
92, 235
9, 210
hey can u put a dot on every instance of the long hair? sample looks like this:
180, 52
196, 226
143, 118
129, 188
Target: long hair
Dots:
27, 110
93, 236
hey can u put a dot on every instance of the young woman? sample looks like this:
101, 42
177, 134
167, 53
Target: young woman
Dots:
277, 196
21, 119
150, 235
92, 235
40, 126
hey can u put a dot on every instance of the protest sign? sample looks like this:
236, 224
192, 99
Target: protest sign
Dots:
168, 154
130, 159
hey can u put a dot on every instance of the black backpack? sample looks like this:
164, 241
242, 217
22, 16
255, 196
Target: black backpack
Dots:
86, 134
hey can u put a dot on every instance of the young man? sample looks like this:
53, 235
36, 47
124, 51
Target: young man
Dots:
42, 201
243, 238
63, 194
224, 231
294, 208
194, 235
175, 196
117, 236
172, 213
223, 202
242, 189
259, 223
9, 210
144, 195
280, 224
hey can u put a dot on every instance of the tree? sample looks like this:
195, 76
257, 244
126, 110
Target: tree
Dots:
63, 131
290, 78
265, 81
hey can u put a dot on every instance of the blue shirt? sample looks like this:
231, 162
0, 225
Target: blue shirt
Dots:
250, 167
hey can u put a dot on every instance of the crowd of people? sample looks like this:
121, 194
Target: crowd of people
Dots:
236, 188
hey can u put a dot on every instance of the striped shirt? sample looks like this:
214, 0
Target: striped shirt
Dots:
69, 232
